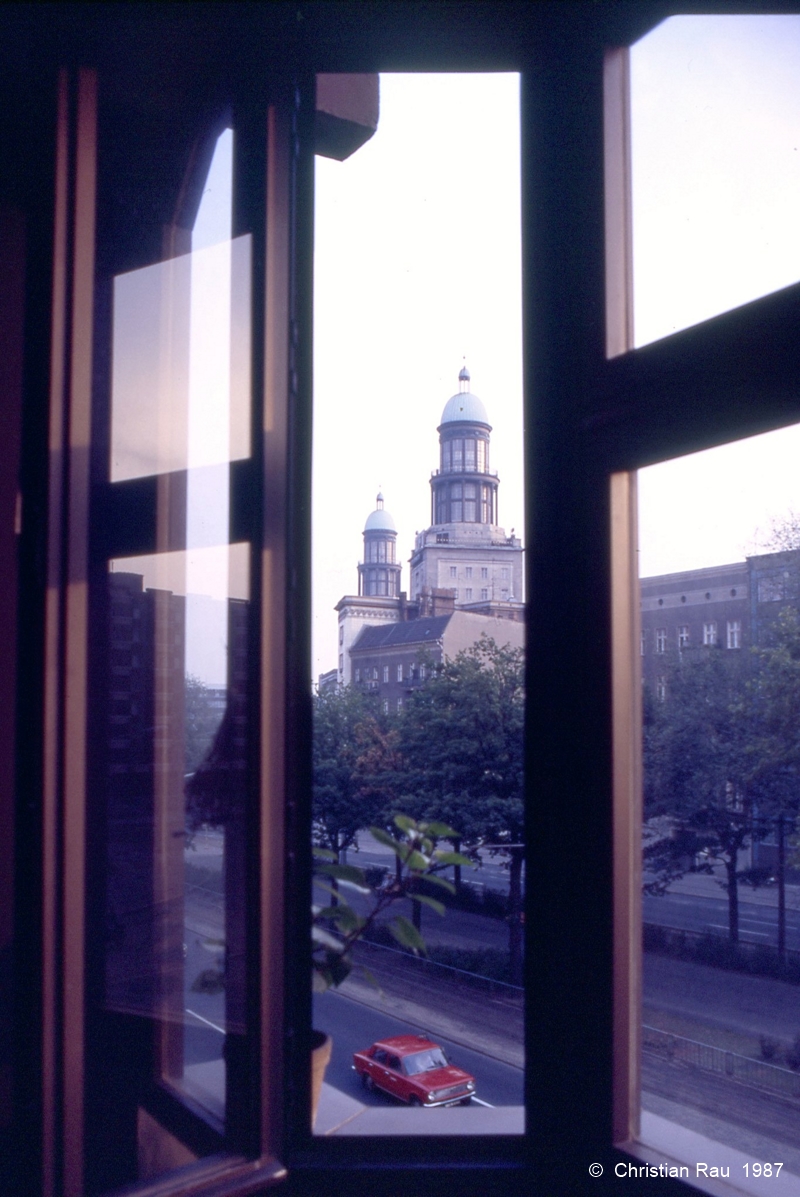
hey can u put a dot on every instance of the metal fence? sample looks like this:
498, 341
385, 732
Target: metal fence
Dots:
756, 1073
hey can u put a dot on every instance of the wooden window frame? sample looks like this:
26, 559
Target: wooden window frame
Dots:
596, 411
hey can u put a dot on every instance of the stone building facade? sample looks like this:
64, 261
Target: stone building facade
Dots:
731, 607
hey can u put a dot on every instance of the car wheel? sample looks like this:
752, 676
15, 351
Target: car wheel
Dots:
414, 1100
367, 1082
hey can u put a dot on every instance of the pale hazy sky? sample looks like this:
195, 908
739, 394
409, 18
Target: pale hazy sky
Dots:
716, 185
417, 266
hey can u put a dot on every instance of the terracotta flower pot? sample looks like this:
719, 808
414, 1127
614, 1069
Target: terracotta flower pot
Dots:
321, 1045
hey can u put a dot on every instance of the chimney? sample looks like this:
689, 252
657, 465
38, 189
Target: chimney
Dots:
443, 602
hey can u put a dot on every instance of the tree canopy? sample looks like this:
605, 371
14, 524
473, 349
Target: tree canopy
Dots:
453, 756
722, 758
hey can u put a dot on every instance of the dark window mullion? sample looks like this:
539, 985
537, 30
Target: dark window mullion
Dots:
126, 511
733, 376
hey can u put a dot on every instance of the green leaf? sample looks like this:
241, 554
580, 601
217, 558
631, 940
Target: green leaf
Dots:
336, 890
326, 940
389, 841
404, 823
347, 919
454, 858
339, 968
334, 970
323, 853
407, 934
432, 902
416, 862
440, 831
346, 873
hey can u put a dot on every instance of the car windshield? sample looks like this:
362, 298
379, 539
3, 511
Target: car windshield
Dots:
434, 1057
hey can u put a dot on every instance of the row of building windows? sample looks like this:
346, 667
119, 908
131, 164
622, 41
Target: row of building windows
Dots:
465, 454
469, 595
407, 673
484, 572
710, 636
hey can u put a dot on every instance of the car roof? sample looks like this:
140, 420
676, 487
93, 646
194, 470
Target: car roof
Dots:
402, 1045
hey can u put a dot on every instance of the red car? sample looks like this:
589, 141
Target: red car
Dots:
415, 1070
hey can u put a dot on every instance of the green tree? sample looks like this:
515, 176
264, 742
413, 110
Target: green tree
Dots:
462, 739
201, 721
344, 794
717, 753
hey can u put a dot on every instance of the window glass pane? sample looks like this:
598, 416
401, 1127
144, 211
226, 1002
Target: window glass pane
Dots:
180, 385
720, 610
177, 761
167, 1031
414, 268
715, 109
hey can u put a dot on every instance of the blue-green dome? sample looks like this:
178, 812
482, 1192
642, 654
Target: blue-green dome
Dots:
465, 406
380, 520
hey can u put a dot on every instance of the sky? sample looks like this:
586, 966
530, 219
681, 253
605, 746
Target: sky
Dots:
715, 105
416, 270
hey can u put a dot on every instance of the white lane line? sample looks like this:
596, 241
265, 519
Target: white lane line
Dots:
723, 927
213, 1025
478, 1102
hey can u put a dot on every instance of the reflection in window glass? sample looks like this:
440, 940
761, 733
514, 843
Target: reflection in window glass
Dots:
171, 675
715, 112
417, 313
175, 805
722, 805
180, 393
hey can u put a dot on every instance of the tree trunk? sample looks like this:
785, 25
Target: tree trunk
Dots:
457, 868
416, 915
733, 898
515, 915
781, 890
334, 882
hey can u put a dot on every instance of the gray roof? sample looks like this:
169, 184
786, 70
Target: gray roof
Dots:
396, 635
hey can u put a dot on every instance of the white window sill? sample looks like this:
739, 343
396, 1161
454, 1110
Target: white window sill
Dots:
339, 1114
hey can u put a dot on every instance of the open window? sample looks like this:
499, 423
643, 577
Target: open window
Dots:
168, 85
693, 379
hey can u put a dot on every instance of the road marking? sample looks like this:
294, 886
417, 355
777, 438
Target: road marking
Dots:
213, 1025
478, 1102
724, 927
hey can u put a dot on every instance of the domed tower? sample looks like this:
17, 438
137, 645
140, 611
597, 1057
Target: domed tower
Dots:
379, 572
463, 490
464, 554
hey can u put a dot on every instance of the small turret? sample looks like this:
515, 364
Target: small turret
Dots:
379, 572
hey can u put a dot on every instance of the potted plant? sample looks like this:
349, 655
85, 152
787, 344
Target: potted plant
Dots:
336, 926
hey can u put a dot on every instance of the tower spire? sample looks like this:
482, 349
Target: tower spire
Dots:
463, 378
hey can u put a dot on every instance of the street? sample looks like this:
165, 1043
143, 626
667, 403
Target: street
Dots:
758, 921
354, 1026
